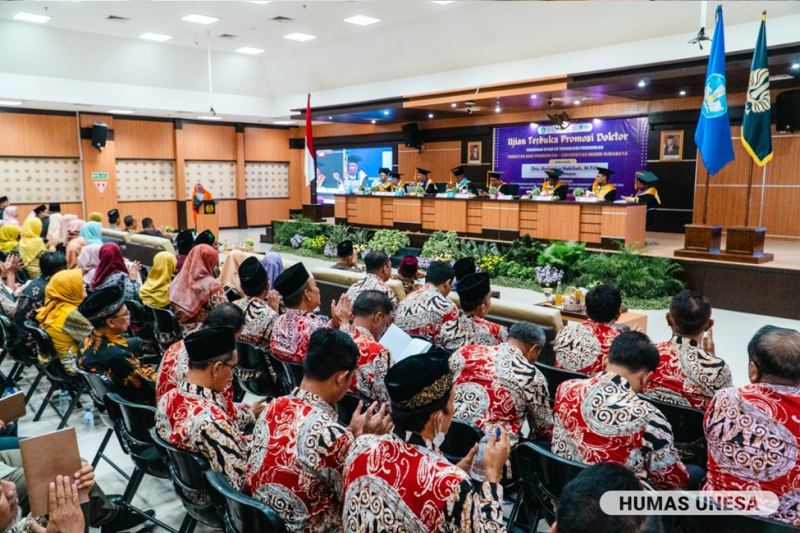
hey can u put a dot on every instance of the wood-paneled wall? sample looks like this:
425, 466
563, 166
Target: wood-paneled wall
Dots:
162, 213
23, 210
438, 157
139, 139
27, 135
209, 143
263, 144
263, 211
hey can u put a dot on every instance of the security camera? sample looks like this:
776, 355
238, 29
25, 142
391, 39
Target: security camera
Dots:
550, 102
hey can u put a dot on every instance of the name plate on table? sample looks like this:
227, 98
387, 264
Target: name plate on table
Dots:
464, 195
383, 194
505, 197
443, 195
544, 198
587, 199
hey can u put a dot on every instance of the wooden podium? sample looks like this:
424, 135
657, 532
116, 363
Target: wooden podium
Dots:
743, 245
207, 218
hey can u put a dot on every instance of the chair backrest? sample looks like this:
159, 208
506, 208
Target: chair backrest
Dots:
240, 513
99, 386
42, 339
513, 189
686, 422
136, 420
347, 406
539, 465
557, 376
253, 371
286, 380
166, 326
460, 439
8, 333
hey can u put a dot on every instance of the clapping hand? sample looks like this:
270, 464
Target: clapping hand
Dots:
133, 270
708, 342
370, 422
340, 312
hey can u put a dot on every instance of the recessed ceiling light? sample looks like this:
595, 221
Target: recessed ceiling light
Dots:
362, 20
11, 102
454, 104
430, 115
155, 37
284, 122
443, 2
597, 121
682, 93
330, 118
374, 121
534, 96
259, 2
794, 67
534, 125
209, 117
200, 19
299, 37
577, 102
30, 17
642, 83
248, 50
121, 111
497, 109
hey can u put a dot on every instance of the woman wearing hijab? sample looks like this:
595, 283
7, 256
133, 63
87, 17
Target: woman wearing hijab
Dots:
88, 260
196, 290
273, 264
9, 238
205, 237
31, 245
54, 235
94, 216
155, 290
74, 227
229, 277
59, 316
92, 232
10, 216
183, 243
112, 271
199, 195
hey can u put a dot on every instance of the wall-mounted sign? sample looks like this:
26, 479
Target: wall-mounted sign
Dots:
99, 175
101, 185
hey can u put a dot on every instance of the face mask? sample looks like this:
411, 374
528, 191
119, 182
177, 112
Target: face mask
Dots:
439, 438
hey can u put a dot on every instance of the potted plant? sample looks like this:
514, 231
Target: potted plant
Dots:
419, 190
493, 192
536, 191
362, 189
250, 243
374, 188
579, 192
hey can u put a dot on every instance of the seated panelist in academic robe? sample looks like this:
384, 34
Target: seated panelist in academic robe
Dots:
384, 183
553, 186
494, 181
397, 183
645, 191
601, 188
426, 183
460, 179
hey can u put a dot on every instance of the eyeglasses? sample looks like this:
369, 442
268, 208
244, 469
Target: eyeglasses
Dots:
232, 367
124, 315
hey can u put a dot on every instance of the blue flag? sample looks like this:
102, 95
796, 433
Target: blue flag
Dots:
713, 136
756, 130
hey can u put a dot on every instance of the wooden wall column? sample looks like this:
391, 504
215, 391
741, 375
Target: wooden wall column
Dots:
241, 186
98, 160
180, 176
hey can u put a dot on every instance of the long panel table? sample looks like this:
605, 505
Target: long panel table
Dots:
497, 219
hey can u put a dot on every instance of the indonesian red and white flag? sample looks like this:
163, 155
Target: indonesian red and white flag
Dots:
311, 166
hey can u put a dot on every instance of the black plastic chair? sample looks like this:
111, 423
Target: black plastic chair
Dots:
347, 406
687, 430
57, 374
735, 523
253, 371
99, 386
22, 356
186, 470
513, 189
240, 513
543, 476
141, 325
557, 376
166, 328
460, 439
290, 375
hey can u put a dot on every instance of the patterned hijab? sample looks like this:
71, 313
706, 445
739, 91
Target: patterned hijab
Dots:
155, 290
196, 284
9, 238
273, 264
10, 216
111, 261
230, 270
31, 244
74, 228
92, 231
88, 260
64, 293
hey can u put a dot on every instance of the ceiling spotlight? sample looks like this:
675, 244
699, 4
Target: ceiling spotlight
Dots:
30, 17
284, 122
209, 117
386, 112
443, 2
200, 19
155, 37
362, 20
534, 125
454, 104
259, 2
330, 118
374, 121
248, 50
794, 67
430, 115
299, 37
497, 109
534, 96
682, 93
121, 111
577, 102
597, 121
11, 102
642, 83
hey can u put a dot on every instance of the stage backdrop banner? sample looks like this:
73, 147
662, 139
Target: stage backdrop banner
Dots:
522, 153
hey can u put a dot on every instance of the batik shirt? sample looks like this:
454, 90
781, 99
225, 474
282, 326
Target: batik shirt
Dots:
259, 319
195, 419
582, 347
31, 299
396, 486
423, 312
601, 419
109, 355
687, 375
753, 434
371, 283
497, 387
373, 362
468, 329
172, 375
296, 461
291, 334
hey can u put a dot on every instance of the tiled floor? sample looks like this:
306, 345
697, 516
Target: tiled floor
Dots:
731, 333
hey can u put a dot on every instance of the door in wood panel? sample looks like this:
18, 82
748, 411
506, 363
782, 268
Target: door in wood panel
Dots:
558, 221
368, 210
407, 210
450, 215
497, 214
613, 221
635, 224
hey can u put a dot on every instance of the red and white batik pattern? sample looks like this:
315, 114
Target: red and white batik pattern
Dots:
687, 375
296, 461
394, 486
497, 387
195, 419
373, 363
601, 419
291, 334
423, 312
752, 435
372, 283
582, 347
468, 329
172, 374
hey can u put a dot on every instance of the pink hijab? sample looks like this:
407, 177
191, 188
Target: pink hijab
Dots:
88, 260
10, 216
196, 284
74, 228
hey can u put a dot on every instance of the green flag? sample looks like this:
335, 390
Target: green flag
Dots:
756, 131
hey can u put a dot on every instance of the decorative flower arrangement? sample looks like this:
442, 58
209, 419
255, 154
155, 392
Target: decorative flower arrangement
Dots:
536, 191
419, 189
489, 263
317, 244
169, 229
250, 242
547, 275
578, 192
492, 191
364, 252
297, 241
330, 250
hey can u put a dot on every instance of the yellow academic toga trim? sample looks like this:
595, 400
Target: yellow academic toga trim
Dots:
601, 192
651, 190
546, 188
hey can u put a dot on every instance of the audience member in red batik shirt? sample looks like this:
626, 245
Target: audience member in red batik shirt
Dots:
753, 431
689, 373
603, 419
499, 386
471, 326
423, 312
582, 347
292, 330
372, 314
299, 446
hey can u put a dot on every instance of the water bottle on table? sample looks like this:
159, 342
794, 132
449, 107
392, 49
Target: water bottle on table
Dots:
478, 471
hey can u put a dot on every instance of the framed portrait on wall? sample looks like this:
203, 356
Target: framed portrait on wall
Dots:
671, 148
474, 153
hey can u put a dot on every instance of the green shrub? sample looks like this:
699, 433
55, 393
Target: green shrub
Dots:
563, 255
440, 244
468, 248
514, 269
297, 226
338, 233
388, 240
360, 236
524, 250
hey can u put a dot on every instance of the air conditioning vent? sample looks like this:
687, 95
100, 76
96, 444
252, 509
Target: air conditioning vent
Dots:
228, 36
115, 18
281, 19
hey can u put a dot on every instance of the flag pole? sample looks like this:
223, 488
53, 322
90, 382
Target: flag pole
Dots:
747, 200
705, 207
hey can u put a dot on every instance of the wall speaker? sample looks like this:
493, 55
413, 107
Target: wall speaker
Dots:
411, 135
788, 111
99, 134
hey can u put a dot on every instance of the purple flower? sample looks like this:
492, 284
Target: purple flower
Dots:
297, 241
330, 251
364, 253
547, 275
